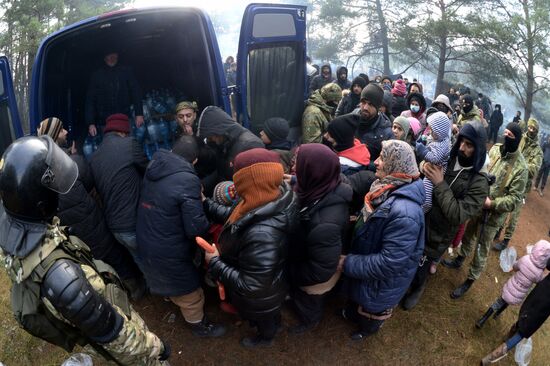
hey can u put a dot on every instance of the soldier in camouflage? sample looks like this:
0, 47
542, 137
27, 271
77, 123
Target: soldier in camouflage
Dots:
320, 110
59, 292
532, 153
507, 165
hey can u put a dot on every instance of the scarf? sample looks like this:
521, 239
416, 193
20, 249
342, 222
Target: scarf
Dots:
257, 185
381, 189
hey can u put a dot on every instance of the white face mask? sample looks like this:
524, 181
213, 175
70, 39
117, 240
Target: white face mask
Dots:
414, 108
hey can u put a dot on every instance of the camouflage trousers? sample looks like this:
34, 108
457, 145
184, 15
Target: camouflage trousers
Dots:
135, 345
479, 242
513, 218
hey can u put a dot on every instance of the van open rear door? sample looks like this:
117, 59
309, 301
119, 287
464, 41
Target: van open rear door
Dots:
271, 71
10, 124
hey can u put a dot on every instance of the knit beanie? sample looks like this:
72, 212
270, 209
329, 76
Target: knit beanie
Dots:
533, 123
118, 123
399, 88
373, 94
276, 129
342, 130
403, 122
359, 81
50, 126
331, 93
225, 193
187, 105
254, 156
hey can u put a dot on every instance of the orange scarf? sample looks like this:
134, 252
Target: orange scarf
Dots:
257, 185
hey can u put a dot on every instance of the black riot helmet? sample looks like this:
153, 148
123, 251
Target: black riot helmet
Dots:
33, 171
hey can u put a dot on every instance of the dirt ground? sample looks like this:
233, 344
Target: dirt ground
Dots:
439, 331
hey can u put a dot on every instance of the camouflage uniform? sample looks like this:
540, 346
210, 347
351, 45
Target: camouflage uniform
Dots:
532, 154
464, 118
318, 113
134, 345
506, 193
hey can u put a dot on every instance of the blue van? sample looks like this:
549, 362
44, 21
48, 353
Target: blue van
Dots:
173, 49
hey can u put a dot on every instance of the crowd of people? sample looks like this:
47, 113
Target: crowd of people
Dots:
383, 181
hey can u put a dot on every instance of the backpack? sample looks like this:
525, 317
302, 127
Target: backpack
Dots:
27, 274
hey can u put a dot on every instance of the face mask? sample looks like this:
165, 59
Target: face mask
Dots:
327, 143
511, 145
387, 86
467, 108
415, 108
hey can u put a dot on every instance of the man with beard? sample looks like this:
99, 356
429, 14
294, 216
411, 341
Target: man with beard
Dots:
510, 171
324, 78
458, 196
319, 111
373, 126
342, 78
351, 101
532, 154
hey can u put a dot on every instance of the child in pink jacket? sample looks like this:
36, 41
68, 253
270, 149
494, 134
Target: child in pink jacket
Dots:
529, 271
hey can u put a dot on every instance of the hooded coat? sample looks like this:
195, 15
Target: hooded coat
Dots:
215, 122
170, 215
532, 154
315, 119
472, 115
386, 250
496, 118
319, 81
529, 270
344, 84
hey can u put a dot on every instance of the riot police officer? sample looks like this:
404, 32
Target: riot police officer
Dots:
59, 292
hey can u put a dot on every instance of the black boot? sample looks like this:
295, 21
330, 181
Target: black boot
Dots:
455, 263
256, 341
413, 297
206, 329
502, 245
462, 289
483, 319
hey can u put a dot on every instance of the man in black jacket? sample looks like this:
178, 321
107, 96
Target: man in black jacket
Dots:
112, 89
322, 79
351, 101
170, 215
118, 166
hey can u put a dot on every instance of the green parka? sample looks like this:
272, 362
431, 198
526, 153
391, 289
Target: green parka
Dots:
511, 176
532, 153
315, 119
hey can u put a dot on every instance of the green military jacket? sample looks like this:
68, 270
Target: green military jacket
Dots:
511, 176
464, 118
532, 153
457, 199
315, 119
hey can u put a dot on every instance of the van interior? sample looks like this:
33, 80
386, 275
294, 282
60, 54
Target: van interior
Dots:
166, 48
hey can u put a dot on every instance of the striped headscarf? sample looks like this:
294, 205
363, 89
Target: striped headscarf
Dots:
50, 126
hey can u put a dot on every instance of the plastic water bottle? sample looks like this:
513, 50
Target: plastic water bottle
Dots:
78, 359
522, 356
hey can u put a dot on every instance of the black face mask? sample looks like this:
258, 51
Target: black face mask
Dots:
327, 143
467, 108
510, 145
465, 161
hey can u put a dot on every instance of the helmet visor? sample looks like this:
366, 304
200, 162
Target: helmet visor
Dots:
61, 171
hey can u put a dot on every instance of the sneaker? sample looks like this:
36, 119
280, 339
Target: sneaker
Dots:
206, 329
454, 263
256, 341
498, 354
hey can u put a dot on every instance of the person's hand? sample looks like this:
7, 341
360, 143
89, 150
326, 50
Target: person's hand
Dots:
139, 121
73, 148
287, 178
487, 203
188, 130
434, 173
92, 130
340, 267
455, 129
208, 256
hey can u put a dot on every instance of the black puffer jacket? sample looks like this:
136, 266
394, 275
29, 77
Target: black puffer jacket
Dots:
215, 122
112, 90
118, 166
169, 217
317, 244
348, 104
319, 81
79, 210
253, 255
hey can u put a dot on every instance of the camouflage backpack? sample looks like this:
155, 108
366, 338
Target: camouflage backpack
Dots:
27, 275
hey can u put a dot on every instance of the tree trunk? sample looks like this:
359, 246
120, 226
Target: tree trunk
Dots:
384, 35
530, 63
439, 87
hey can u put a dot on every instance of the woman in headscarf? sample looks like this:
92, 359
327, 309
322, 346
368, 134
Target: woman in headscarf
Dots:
388, 241
316, 244
253, 243
402, 130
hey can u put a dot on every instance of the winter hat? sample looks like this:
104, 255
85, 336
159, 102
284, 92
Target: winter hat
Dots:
415, 126
468, 100
365, 77
373, 94
443, 99
342, 129
254, 156
440, 125
533, 123
276, 129
359, 81
419, 98
187, 105
387, 101
118, 122
399, 88
540, 253
50, 126
225, 193
403, 122
475, 132
331, 93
